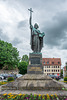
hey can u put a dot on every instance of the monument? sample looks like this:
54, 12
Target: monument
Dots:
34, 79
36, 42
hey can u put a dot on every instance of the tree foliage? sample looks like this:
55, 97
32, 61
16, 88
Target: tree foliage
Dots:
9, 56
23, 67
25, 58
61, 73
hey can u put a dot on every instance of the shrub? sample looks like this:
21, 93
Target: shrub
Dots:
65, 78
10, 79
22, 67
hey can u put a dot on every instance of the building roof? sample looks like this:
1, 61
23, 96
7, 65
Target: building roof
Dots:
51, 61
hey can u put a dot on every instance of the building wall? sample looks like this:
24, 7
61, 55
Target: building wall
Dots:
52, 70
51, 66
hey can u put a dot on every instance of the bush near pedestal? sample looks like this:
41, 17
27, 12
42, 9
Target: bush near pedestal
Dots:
23, 67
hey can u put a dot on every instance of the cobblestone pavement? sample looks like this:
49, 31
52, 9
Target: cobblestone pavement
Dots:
34, 92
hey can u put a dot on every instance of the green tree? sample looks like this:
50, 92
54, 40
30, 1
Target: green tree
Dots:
9, 56
22, 67
25, 58
61, 73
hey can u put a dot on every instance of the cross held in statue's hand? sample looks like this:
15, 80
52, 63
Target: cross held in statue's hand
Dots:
30, 10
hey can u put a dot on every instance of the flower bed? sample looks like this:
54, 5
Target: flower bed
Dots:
3, 82
20, 96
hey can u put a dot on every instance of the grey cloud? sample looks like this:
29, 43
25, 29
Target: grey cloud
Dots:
22, 24
39, 3
64, 46
56, 30
16, 41
3, 36
42, 5
4, 0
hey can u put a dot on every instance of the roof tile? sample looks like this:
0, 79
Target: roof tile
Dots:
52, 61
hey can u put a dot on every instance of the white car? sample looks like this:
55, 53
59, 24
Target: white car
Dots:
19, 75
1, 77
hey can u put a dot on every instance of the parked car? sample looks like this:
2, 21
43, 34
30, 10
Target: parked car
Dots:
18, 75
1, 77
55, 77
5, 76
52, 76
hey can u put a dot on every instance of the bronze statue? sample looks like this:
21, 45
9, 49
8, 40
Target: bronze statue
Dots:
36, 36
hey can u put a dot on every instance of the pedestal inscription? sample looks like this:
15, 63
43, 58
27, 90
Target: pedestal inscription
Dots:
35, 64
35, 60
35, 69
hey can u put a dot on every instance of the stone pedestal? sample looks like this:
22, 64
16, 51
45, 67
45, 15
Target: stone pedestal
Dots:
35, 64
33, 82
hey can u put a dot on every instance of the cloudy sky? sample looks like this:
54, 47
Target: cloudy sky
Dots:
51, 16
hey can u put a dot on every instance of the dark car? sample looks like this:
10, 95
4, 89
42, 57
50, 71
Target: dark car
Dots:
52, 76
9, 75
55, 77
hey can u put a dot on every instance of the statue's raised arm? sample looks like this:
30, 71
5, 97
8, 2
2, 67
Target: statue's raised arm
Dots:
30, 21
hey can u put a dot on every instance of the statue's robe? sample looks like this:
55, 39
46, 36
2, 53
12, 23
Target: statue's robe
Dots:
36, 40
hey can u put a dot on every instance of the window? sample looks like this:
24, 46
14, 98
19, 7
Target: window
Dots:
45, 70
52, 70
45, 66
52, 62
58, 62
47, 62
54, 66
52, 73
58, 70
49, 70
58, 66
49, 66
44, 62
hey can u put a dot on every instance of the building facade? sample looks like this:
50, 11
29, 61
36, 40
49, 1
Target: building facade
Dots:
51, 66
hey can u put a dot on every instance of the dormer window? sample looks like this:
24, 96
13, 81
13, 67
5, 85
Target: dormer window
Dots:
52, 62
58, 62
44, 62
47, 62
